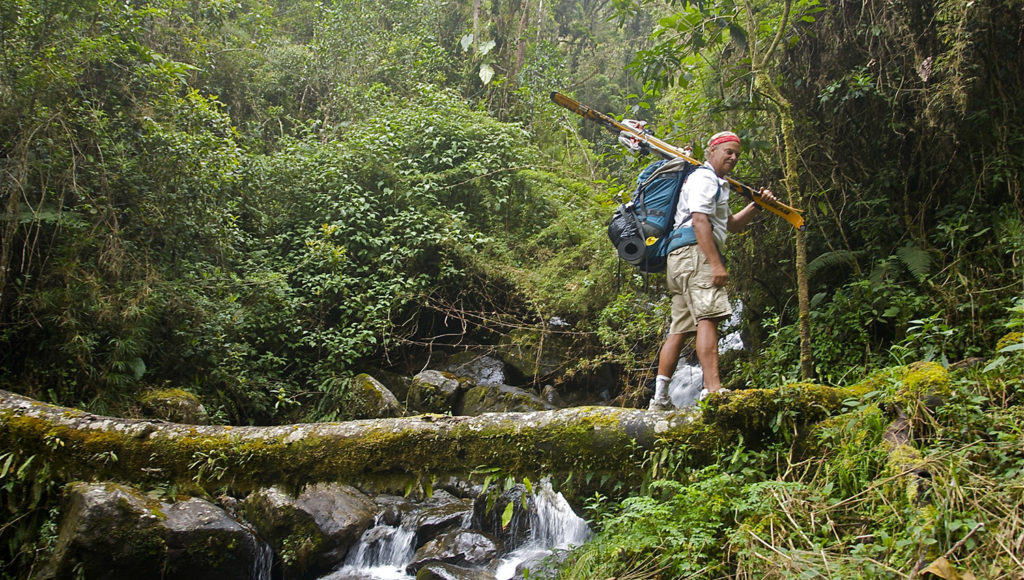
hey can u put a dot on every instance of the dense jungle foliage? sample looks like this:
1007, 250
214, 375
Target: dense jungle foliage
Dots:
253, 200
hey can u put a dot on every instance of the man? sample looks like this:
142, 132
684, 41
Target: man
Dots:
696, 273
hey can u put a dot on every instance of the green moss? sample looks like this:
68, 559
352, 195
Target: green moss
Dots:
1010, 339
922, 383
157, 395
877, 381
174, 405
588, 442
756, 413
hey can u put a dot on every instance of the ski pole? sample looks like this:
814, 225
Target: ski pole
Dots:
790, 214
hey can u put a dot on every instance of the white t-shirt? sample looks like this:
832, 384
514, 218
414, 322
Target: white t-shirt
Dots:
698, 195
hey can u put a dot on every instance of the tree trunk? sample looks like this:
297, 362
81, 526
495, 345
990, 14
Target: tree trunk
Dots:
791, 181
594, 448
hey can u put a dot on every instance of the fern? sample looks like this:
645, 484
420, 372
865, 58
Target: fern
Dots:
917, 260
830, 259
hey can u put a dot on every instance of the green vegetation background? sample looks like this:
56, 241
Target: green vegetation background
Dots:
255, 200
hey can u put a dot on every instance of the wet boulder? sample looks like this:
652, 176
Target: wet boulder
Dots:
488, 512
311, 533
434, 391
204, 542
113, 531
501, 399
175, 406
441, 514
480, 368
368, 398
468, 548
535, 355
442, 571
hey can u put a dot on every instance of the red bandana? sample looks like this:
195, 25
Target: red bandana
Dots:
724, 139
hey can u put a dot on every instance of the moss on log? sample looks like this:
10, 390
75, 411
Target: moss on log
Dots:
607, 442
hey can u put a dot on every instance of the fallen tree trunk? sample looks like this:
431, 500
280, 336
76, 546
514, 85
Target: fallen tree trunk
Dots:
596, 445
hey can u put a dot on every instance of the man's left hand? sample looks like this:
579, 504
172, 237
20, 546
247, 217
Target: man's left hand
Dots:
767, 194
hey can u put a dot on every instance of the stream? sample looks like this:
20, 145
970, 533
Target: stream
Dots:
384, 550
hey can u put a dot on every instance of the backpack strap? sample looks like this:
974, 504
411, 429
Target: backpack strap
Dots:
684, 235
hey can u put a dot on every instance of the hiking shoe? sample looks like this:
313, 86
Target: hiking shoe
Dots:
704, 393
662, 404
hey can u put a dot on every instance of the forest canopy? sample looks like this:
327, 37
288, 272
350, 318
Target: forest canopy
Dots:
254, 200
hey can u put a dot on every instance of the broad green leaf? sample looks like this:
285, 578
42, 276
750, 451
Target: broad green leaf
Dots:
138, 367
506, 516
486, 73
7, 465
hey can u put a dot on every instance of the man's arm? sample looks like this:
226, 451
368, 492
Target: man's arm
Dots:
706, 242
741, 219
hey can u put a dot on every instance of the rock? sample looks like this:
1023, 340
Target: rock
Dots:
480, 369
500, 399
532, 354
549, 394
459, 487
391, 509
311, 533
461, 548
174, 405
203, 542
597, 384
397, 383
108, 531
541, 564
368, 398
112, 531
434, 391
441, 514
442, 571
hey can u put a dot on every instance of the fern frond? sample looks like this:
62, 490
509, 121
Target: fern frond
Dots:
829, 259
917, 260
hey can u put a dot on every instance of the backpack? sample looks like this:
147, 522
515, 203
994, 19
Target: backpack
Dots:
640, 228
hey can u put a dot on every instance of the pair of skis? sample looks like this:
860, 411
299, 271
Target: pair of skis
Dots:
648, 141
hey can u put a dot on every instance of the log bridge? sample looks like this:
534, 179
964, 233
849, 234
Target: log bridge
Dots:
586, 449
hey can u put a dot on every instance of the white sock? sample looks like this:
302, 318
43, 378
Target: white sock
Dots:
661, 387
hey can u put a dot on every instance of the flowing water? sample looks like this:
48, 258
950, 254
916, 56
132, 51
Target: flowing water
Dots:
384, 550
262, 564
688, 380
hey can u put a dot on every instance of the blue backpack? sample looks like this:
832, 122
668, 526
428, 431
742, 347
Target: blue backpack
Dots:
641, 229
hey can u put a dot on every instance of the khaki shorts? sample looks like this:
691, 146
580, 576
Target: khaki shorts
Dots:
693, 296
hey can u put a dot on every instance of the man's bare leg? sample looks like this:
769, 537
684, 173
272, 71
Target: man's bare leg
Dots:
668, 358
707, 353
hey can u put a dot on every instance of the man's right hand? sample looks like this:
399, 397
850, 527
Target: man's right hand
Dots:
719, 275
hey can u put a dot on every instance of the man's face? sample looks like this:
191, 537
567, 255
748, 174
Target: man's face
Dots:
723, 157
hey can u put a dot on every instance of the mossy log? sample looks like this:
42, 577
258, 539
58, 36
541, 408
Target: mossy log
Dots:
584, 442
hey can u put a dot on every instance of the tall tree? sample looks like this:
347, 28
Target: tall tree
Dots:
761, 64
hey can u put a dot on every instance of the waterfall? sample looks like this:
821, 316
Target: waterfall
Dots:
263, 562
382, 553
385, 549
553, 526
